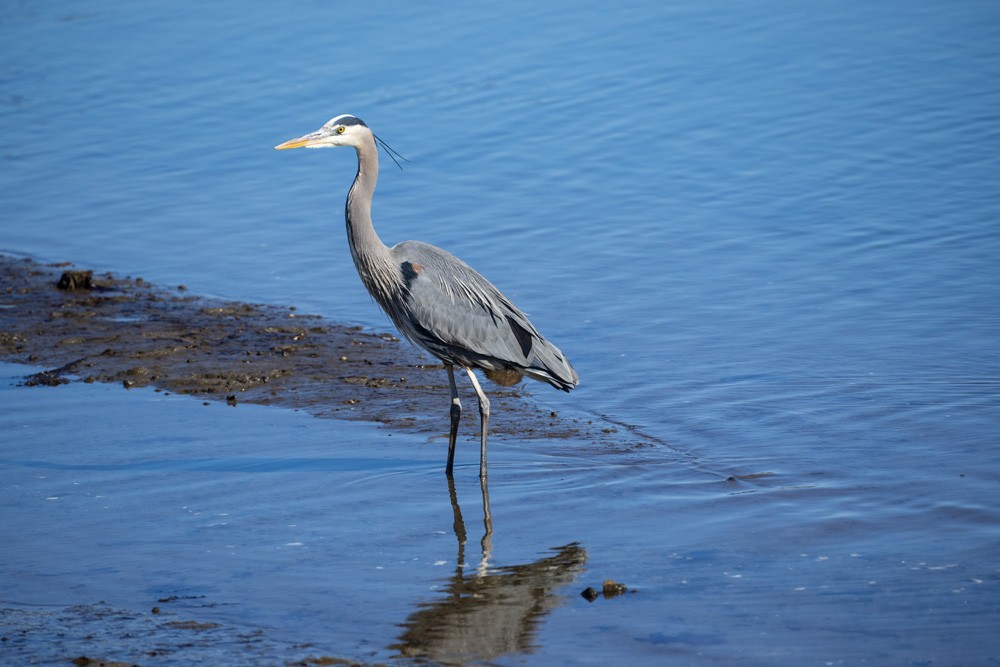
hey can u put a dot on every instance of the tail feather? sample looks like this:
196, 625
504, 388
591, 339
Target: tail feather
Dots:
549, 365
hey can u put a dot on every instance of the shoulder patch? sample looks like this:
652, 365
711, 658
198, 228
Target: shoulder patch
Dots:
410, 271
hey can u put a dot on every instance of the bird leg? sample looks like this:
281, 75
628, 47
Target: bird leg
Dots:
456, 414
484, 418
487, 542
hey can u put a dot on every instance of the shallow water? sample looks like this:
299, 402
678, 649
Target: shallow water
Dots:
765, 234
330, 540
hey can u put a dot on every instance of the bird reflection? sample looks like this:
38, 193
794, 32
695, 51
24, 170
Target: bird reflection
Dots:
493, 611
486, 543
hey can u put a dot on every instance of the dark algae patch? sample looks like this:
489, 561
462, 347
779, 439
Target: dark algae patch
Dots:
99, 635
82, 325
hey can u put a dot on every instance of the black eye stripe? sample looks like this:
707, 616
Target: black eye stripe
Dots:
347, 120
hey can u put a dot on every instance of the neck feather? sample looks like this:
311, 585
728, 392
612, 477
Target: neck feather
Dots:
371, 257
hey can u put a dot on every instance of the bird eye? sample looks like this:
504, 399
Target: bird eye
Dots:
340, 130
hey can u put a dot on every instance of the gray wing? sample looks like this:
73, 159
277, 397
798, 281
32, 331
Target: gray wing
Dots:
451, 310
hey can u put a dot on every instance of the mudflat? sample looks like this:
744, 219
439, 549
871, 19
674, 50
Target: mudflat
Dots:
79, 324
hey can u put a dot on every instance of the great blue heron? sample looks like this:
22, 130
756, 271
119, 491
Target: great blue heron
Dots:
436, 300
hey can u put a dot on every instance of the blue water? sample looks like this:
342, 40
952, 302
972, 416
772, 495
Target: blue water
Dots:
766, 234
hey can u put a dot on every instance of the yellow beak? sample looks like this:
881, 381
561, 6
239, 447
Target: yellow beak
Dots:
293, 143
304, 140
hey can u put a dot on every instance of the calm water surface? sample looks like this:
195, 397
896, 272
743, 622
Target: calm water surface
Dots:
765, 233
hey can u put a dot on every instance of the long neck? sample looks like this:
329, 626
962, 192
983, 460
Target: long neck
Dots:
371, 256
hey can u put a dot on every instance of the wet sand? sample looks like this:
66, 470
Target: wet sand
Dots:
81, 325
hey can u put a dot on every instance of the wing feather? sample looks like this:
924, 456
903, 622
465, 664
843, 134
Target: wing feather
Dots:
455, 313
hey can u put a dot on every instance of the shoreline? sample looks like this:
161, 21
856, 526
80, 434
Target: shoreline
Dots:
89, 326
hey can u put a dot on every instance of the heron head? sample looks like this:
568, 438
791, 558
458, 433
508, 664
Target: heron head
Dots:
345, 130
